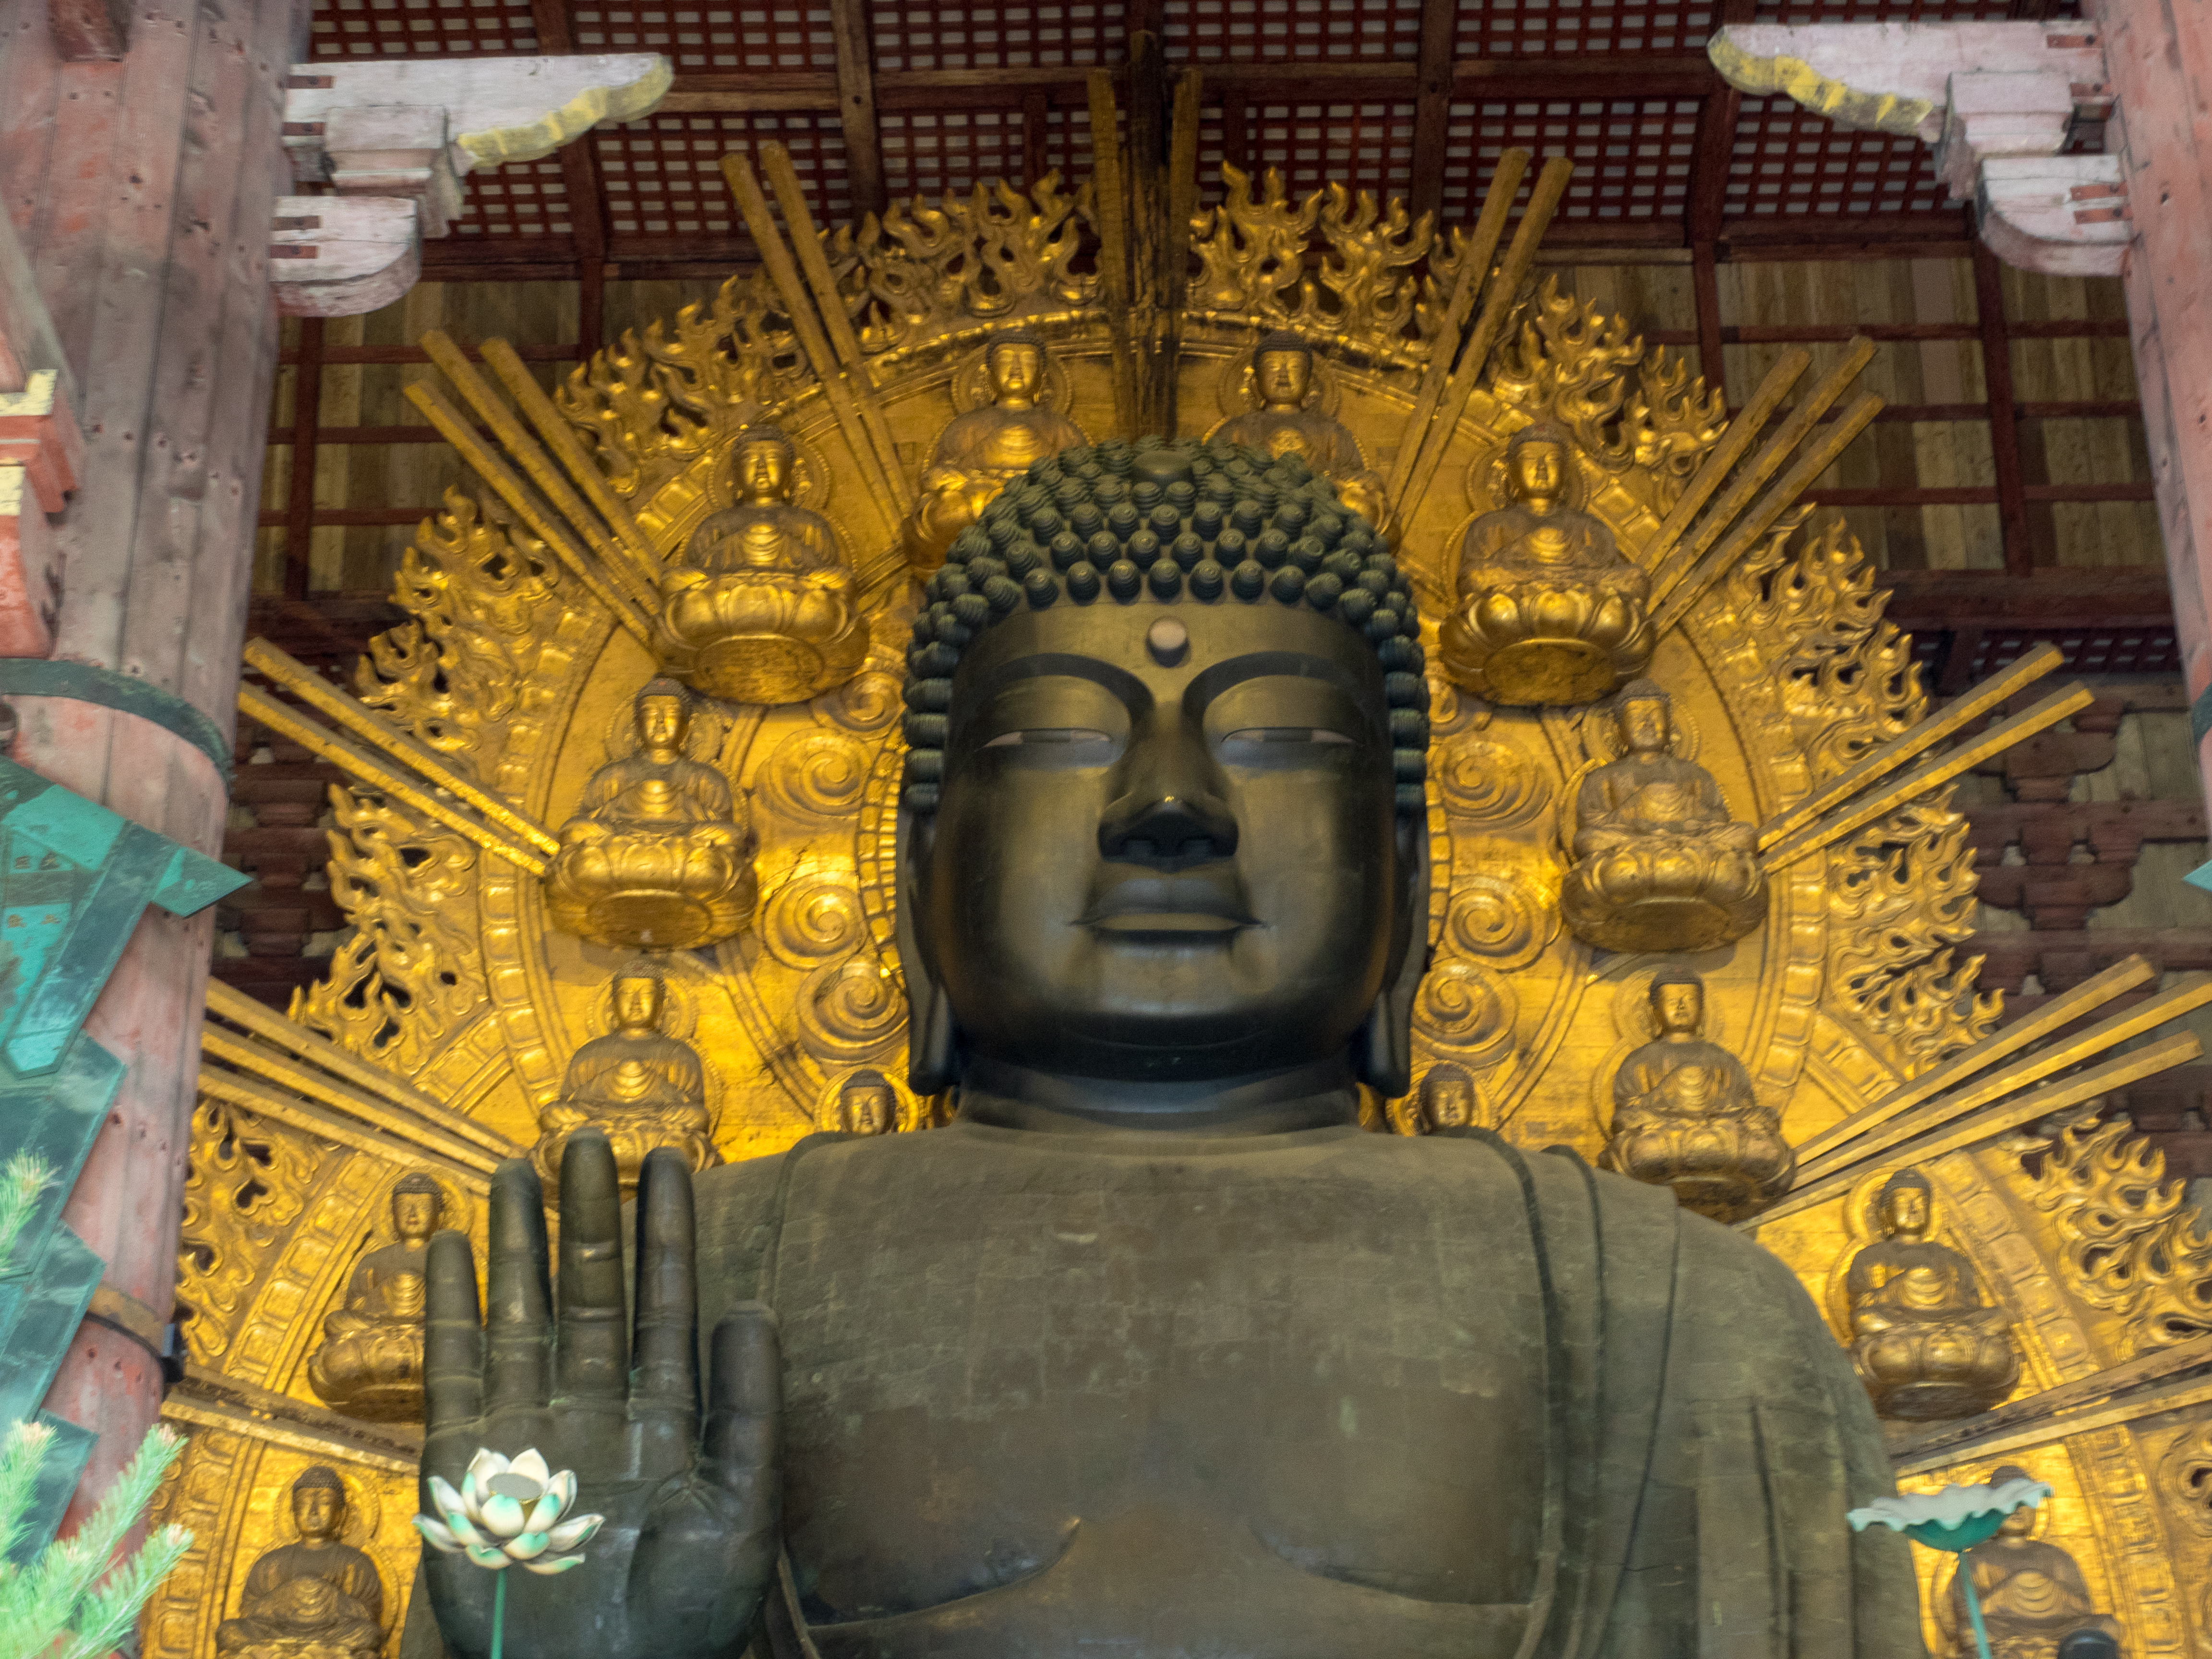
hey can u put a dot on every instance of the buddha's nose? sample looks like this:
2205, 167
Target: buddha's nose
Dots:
1169, 811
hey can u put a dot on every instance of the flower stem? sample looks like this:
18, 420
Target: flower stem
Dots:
498, 1614
1965, 1583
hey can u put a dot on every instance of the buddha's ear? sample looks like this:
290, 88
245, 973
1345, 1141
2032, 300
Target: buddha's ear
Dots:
1383, 1052
931, 1062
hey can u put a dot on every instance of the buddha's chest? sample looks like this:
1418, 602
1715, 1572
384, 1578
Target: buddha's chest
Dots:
1301, 1382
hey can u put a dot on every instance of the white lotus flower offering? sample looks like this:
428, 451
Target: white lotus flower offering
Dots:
507, 1513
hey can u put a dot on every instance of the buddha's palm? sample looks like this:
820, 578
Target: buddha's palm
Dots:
691, 1536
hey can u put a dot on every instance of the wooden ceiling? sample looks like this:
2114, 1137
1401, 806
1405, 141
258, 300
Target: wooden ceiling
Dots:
880, 100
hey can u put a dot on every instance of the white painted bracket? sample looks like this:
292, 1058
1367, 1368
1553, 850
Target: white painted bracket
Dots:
2002, 96
495, 110
396, 139
341, 256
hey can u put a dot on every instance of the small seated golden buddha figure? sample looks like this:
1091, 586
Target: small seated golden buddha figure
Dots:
1685, 1117
867, 1105
1548, 609
659, 852
981, 450
641, 1087
317, 1599
1924, 1344
2032, 1594
1659, 865
370, 1363
1282, 374
759, 607
1446, 1099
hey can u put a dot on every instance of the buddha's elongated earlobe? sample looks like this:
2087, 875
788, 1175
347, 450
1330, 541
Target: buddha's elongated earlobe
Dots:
932, 1052
1383, 1051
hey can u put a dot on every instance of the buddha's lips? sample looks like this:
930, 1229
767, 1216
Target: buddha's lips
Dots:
1147, 903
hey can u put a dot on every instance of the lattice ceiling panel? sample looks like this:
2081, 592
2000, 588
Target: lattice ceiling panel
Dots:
915, 34
928, 155
418, 29
524, 198
1367, 146
1523, 28
1631, 156
662, 176
752, 37
1788, 161
1302, 31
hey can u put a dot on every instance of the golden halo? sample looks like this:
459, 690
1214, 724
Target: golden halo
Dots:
1234, 392
811, 473
1486, 479
679, 1005
364, 1504
703, 743
1600, 732
456, 1209
970, 388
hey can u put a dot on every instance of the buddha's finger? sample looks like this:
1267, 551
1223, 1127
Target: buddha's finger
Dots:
667, 1345
591, 1352
743, 1436
519, 1325
452, 1349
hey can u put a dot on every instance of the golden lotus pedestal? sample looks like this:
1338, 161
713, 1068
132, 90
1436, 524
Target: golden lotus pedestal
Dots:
775, 668
1727, 1169
765, 637
1663, 899
393, 1399
1558, 665
1930, 1372
650, 892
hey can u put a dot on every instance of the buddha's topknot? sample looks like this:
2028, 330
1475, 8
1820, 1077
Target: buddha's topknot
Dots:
1116, 523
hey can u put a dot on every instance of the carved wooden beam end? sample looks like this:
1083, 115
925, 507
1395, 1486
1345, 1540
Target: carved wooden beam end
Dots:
396, 140
1998, 100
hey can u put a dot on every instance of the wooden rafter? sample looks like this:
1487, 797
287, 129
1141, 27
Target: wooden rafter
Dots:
579, 178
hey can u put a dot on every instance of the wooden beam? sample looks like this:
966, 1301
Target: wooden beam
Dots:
1432, 104
579, 178
1037, 123
856, 105
2004, 431
300, 498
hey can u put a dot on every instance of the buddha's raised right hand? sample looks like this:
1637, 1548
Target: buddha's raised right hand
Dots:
692, 1507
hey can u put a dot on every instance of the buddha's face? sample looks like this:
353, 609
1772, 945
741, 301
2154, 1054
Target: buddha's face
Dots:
763, 472
867, 1108
2020, 1523
1283, 378
1905, 1212
414, 1215
1447, 1102
1536, 471
663, 723
637, 1004
1017, 372
1152, 873
1678, 1008
317, 1512
1644, 726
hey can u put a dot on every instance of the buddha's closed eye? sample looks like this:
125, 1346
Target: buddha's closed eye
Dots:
1049, 734
1286, 734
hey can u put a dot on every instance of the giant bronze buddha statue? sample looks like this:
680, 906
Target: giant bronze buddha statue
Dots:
1153, 1351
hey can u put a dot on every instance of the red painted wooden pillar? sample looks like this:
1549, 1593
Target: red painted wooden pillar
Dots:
2159, 62
141, 190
